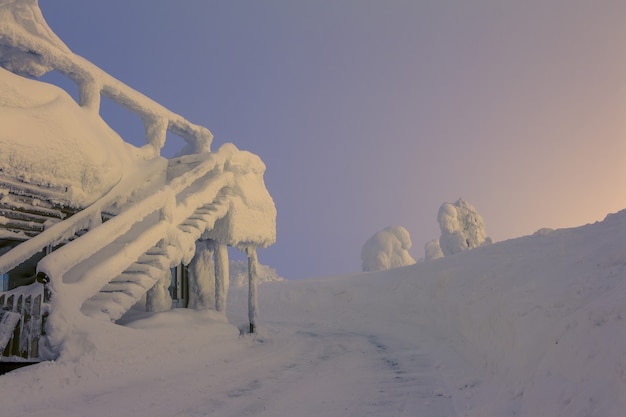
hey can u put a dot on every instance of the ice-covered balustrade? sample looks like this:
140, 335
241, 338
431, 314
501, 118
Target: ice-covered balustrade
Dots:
29, 47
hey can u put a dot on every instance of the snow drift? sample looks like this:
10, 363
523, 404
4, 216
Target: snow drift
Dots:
49, 141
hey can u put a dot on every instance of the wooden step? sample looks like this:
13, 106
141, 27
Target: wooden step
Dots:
108, 305
128, 288
141, 279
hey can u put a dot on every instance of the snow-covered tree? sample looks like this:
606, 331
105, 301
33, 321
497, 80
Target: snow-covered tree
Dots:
462, 228
239, 274
432, 250
387, 249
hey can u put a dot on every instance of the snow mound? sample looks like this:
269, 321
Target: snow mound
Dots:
49, 141
387, 249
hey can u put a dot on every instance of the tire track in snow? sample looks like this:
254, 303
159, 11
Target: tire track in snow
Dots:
413, 387
327, 372
351, 353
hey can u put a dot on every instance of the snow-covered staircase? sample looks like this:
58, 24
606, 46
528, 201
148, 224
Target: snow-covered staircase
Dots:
119, 295
101, 269
126, 289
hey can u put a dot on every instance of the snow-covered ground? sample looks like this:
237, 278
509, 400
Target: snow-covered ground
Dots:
526, 327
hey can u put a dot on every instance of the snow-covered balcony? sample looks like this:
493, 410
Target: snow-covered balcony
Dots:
116, 220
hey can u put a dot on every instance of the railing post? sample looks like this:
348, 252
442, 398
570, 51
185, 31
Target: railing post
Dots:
89, 95
156, 132
22, 322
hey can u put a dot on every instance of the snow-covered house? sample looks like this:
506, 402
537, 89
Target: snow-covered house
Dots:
91, 225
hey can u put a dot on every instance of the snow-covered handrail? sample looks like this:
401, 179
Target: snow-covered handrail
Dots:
28, 46
73, 292
64, 230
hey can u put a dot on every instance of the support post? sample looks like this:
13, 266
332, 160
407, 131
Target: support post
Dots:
253, 309
222, 279
202, 276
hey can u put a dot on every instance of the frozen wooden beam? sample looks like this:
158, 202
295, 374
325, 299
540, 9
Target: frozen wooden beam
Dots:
253, 309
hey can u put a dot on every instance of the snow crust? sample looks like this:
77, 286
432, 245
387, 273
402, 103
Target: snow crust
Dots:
388, 248
527, 327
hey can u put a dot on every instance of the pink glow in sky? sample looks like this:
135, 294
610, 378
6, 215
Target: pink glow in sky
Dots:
373, 113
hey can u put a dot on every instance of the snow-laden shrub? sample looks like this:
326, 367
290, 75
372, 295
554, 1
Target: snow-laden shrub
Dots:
462, 228
387, 249
239, 274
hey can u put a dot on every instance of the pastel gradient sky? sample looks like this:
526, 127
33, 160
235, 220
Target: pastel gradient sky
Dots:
371, 113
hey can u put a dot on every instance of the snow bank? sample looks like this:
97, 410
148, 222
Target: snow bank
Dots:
527, 327
49, 141
101, 356
539, 322
387, 249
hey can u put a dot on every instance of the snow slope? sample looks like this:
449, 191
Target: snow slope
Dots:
527, 327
